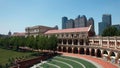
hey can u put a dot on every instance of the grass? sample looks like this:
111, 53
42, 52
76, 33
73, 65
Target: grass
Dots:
75, 65
5, 55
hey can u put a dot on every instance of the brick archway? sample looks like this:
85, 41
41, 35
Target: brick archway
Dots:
82, 51
75, 50
64, 49
92, 52
105, 52
69, 41
64, 41
75, 42
69, 49
59, 48
87, 51
112, 54
98, 53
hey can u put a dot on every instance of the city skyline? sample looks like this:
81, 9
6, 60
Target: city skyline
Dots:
80, 21
16, 15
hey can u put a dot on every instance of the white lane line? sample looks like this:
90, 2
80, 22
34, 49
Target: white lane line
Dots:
63, 63
53, 65
96, 64
73, 61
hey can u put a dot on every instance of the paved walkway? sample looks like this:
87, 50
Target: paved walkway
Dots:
104, 64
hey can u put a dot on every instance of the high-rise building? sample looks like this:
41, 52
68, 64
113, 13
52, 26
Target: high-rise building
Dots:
106, 18
77, 22
81, 21
102, 26
70, 23
91, 22
106, 22
64, 21
117, 26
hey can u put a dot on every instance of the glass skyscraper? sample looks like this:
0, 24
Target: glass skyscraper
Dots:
80, 21
64, 21
70, 23
106, 22
91, 22
106, 18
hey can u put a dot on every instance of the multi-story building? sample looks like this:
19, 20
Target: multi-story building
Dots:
37, 30
82, 41
20, 34
70, 24
106, 18
106, 22
80, 21
102, 26
64, 21
72, 36
117, 26
91, 22
83, 21
77, 22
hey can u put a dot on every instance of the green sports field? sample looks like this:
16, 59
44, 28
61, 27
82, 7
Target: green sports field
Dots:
5, 55
66, 62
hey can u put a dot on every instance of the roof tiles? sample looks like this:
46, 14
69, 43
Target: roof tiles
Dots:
70, 30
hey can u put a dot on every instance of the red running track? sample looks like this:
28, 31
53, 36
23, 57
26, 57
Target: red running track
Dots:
104, 64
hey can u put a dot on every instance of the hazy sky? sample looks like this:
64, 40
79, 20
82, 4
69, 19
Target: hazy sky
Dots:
15, 15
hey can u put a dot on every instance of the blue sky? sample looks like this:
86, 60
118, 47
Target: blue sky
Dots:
15, 15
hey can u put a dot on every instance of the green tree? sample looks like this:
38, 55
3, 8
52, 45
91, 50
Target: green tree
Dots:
41, 42
118, 33
110, 31
52, 43
29, 41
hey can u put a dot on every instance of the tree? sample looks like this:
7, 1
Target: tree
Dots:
41, 42
118, 33
110, 31
52, 43
29, 41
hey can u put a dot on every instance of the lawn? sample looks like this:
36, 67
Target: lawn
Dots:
5, 55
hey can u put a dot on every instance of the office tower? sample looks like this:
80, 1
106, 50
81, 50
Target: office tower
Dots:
91, 22
80, 21
76, 22
70, 23
117, 26
83, 21
106, 18
64, 21
102, 26
106, 22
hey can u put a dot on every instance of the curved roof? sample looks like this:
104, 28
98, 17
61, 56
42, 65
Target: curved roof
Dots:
70, 30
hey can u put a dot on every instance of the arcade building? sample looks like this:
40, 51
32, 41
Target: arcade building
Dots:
83, 41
